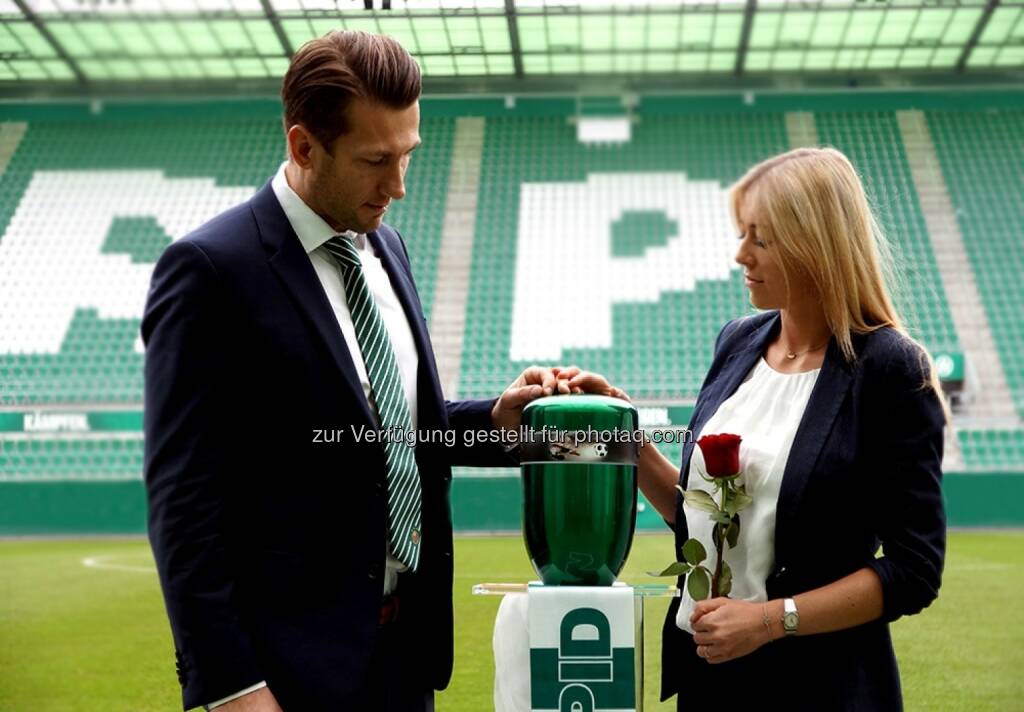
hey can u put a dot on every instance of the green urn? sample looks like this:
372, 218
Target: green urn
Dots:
579, 471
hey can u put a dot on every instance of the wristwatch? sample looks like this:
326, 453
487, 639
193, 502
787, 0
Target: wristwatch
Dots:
790, 616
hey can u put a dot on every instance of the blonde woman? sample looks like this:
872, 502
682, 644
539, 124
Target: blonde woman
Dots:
842, 426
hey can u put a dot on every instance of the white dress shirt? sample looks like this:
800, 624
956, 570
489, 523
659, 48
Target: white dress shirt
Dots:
765, 411
313, 232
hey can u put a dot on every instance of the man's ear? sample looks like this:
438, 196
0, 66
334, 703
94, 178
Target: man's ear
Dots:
301, 145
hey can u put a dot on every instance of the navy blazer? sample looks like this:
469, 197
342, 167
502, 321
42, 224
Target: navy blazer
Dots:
270, 546
864, 470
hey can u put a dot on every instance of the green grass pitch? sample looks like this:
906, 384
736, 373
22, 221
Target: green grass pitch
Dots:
80, 637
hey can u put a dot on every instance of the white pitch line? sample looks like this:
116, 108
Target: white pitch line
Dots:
104, 562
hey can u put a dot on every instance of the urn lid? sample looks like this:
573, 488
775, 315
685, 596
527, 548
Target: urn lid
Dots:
580, 411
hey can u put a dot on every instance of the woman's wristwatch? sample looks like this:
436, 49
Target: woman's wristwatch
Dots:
790, 616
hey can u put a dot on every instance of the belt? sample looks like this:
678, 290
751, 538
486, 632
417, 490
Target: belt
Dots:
389, 609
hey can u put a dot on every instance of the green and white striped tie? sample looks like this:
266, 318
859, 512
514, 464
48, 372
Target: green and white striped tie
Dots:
381, 366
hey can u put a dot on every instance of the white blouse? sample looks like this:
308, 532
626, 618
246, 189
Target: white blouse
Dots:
765, 411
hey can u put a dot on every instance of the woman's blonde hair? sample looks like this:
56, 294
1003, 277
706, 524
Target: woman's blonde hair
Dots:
820, 224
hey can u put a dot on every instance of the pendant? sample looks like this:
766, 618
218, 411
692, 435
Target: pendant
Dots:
791, 355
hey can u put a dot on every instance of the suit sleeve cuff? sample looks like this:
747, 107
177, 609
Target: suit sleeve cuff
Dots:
240, 693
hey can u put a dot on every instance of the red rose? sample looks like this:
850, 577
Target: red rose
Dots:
721, 454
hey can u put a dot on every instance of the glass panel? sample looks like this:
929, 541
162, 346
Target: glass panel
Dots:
264, 39
187, 68
501, 64
630, 32
597, 33
474, 66
154, 69
693, 61
536, 64
787, 60
532, 35
93, 34
863, 27
566, 64
765, 29
33, 41
94, 69
563, 32
630, 62
218, 68
930, 27
960, 29
883, 58
661, 62
250, 67
124, 69
1010, 57
663, 33
399, 29
795, 29
167, 39
945, 58
916, 57
982, 56
1000, 24
430, 34
231, 36
439, 66
895, 29
200, 37
495, 34
697, 31
366, 24
277, 66
598, 63
28, 69
757, 61
57, 69
131, 39
727, 30
830, 29
722, 61
820, 59
298, 32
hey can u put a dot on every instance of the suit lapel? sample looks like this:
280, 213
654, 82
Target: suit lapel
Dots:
292, 265
428, 388
736, 366
826, 397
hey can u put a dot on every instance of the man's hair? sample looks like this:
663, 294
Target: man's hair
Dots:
328, 72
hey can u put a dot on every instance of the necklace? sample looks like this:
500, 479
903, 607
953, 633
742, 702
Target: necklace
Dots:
791, 355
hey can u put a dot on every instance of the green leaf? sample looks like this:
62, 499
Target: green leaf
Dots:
694, 552
721, 517
740, 501
676, 568
725, 580
732, 534
701, 500
716, 536
698, 584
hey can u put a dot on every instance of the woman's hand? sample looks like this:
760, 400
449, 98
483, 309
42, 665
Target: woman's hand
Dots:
726, 629
573, 380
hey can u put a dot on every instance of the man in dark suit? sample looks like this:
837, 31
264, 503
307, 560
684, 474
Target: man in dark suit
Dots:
304, 566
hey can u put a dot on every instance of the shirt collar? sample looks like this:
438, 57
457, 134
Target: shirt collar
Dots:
310, 228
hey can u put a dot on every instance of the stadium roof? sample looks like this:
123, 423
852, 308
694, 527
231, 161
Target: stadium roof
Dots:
481, 43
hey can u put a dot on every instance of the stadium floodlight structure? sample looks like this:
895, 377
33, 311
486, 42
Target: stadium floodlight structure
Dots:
242, 46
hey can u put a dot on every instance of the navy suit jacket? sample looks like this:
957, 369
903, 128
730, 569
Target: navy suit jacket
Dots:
270, 546
864, 471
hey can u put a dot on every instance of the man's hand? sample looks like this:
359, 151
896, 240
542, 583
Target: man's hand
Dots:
537, 381
726, 628
587, 382
534, 382
261, 700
